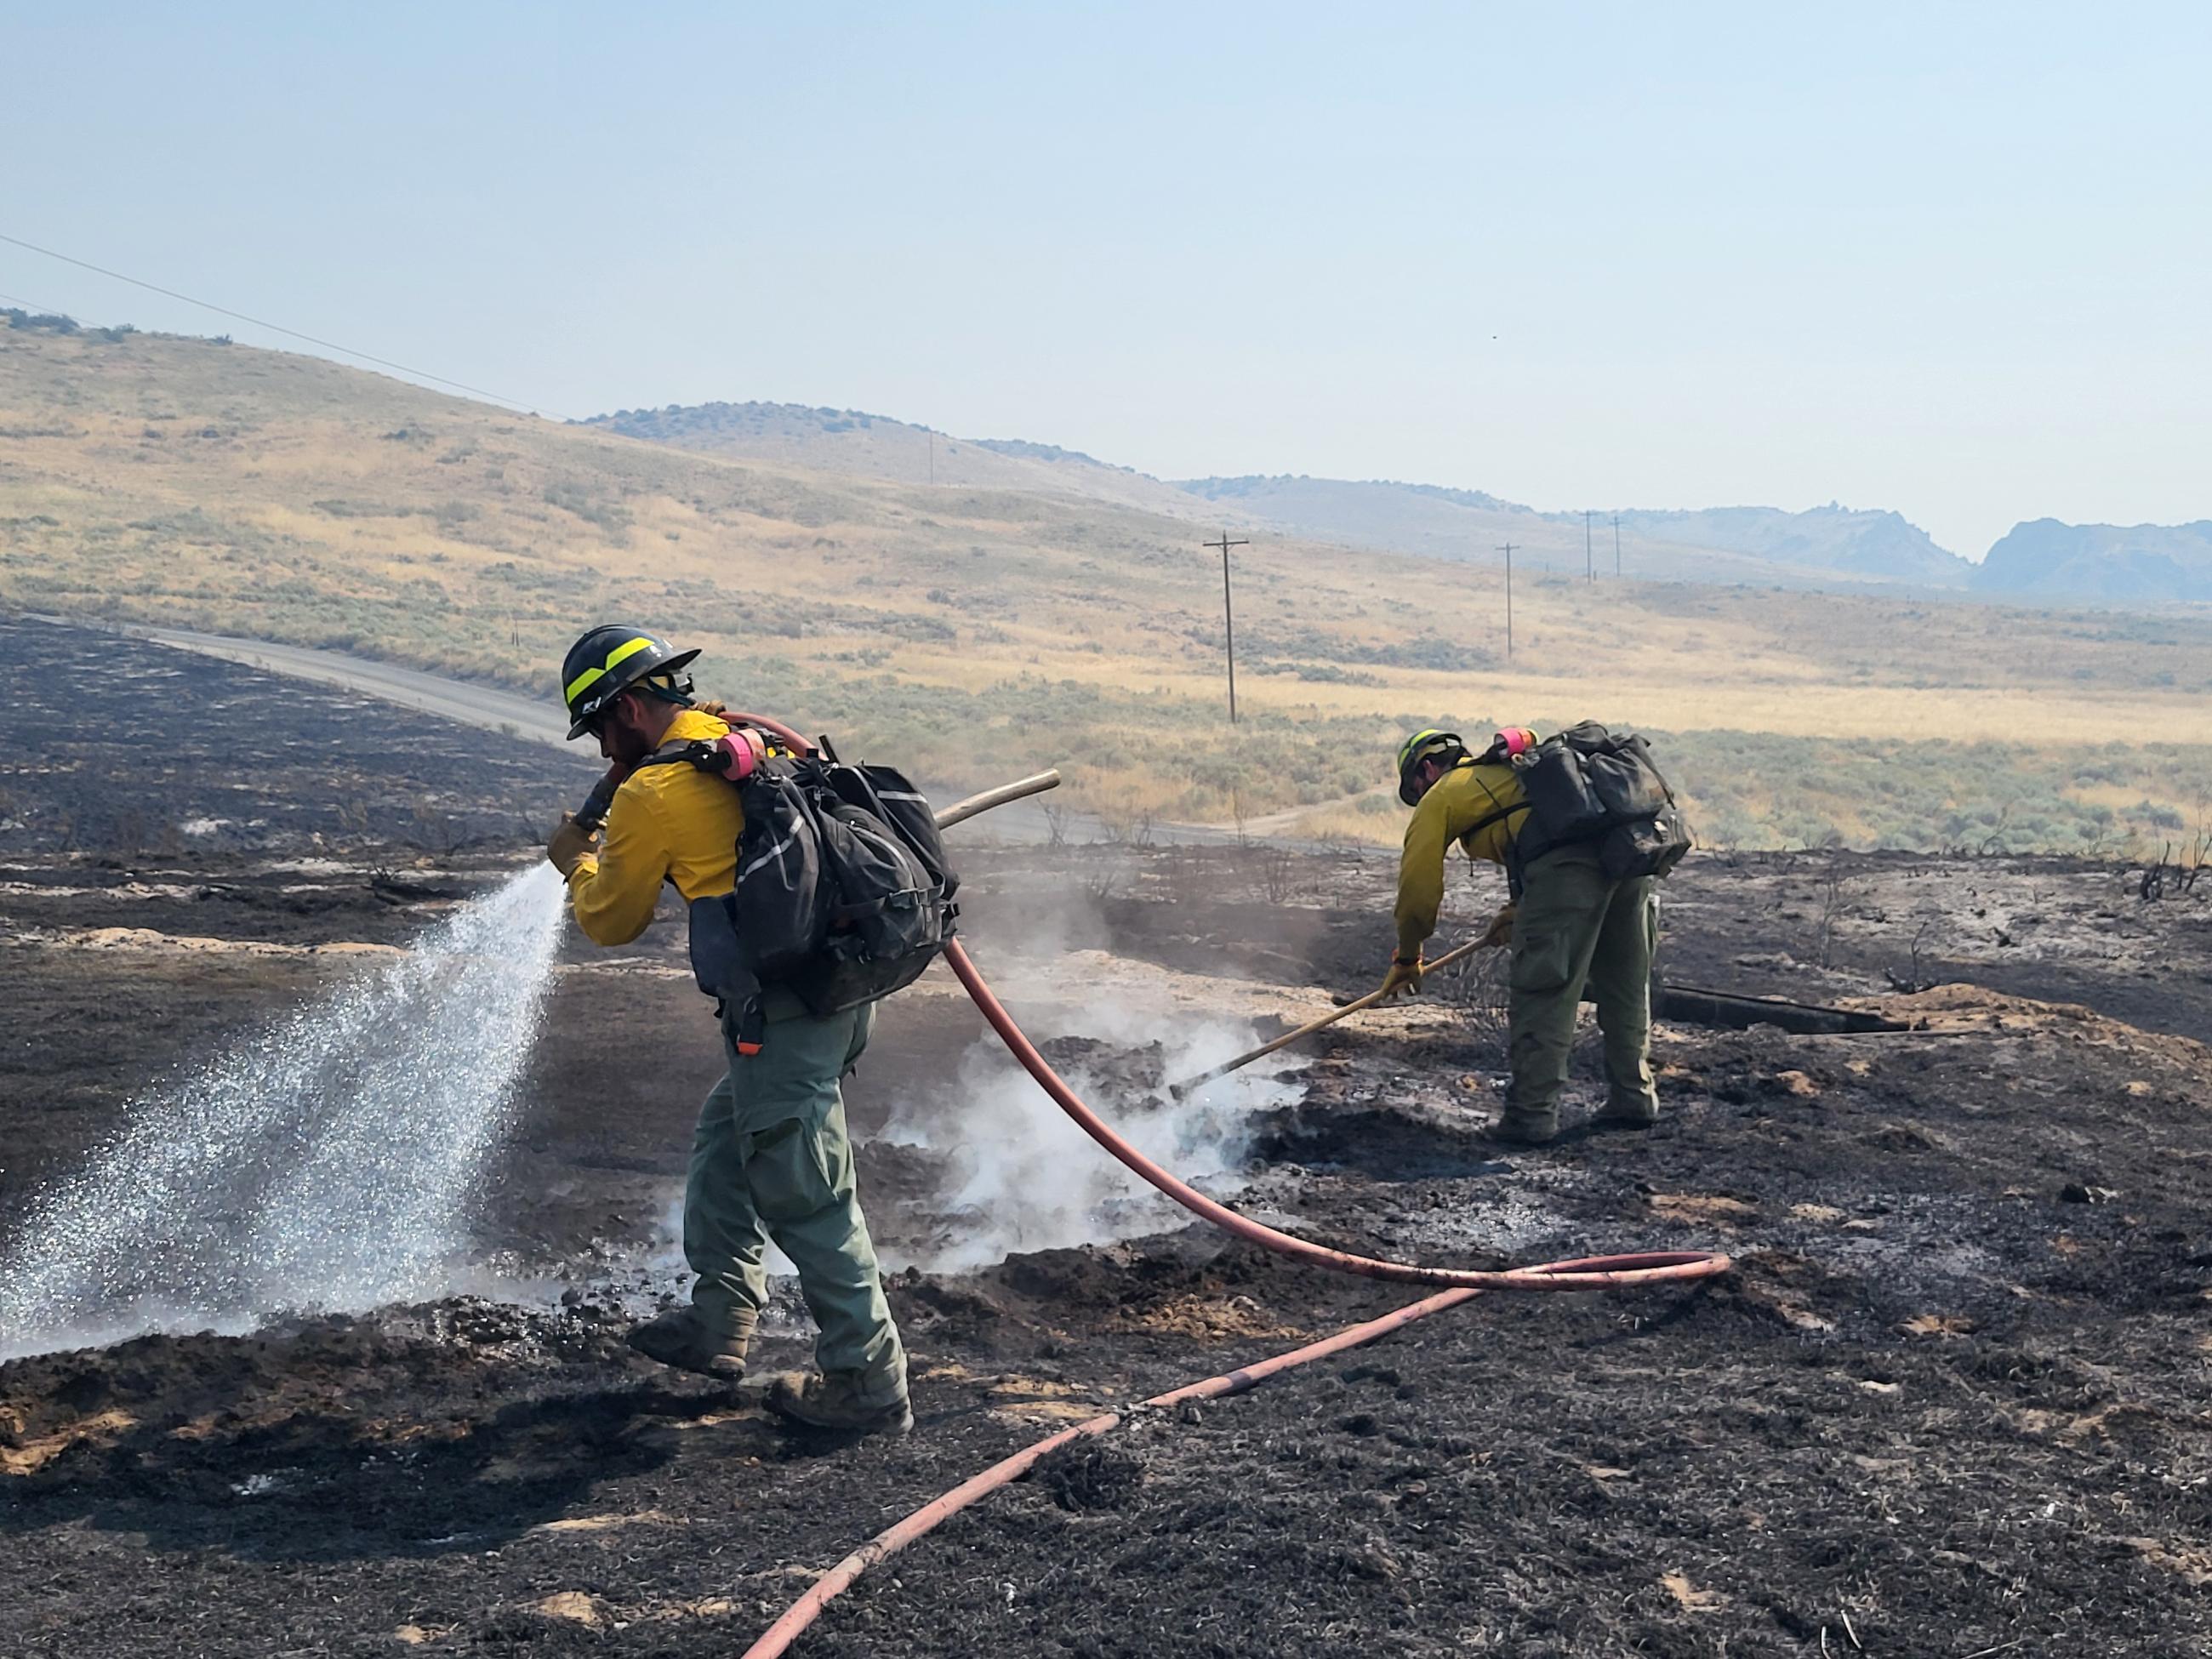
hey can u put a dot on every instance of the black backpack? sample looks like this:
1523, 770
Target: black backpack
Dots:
1588, 784
843, 892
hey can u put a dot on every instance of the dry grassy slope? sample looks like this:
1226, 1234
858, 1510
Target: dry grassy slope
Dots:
1376, 517
857, 445
245, 491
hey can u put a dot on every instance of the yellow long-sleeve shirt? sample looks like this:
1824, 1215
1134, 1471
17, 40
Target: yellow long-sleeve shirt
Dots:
1472, 804
671, 823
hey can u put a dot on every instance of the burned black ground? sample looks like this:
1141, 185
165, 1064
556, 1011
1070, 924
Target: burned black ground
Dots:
1951, 1402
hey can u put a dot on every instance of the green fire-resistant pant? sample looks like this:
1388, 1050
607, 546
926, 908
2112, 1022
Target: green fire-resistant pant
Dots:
773, 1160
1575, 927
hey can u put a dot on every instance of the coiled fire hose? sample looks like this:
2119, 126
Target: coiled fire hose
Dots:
1585, 1273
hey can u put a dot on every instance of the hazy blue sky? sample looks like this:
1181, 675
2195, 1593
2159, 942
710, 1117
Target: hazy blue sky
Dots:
1954, 259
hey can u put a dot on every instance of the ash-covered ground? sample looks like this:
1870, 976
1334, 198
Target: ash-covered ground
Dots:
1952, 1402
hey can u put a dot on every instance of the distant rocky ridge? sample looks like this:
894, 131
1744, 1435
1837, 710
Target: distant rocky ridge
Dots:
1824, 546
2132, 564
1875, 545
1860, 546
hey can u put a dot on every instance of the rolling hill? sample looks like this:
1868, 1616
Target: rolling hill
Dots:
1830, 546
978, 630
1826, 546
851, 441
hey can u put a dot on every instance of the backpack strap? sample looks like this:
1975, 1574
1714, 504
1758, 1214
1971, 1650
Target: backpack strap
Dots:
691, 751
1489, 818
1484, 823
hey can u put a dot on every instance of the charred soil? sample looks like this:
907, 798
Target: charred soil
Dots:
1951, 1402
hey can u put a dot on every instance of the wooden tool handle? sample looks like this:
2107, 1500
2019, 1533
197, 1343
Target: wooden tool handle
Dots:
1179, 1089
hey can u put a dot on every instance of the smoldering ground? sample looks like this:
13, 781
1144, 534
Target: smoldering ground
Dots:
1017, 1174
1954, 1392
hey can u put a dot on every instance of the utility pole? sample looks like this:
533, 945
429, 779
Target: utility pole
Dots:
932, 455
1228, 617
1589, 564
1508, 551
1616, 543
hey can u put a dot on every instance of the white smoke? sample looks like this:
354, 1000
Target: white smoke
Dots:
1029, 1179
323, 1163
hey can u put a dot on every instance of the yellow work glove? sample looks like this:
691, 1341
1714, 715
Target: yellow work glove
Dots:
1500, 931
569, 844
1403, 976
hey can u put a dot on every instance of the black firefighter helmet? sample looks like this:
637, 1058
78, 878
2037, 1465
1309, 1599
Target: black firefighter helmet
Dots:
608, 661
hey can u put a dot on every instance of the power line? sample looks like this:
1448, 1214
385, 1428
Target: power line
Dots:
31, 305
274, 328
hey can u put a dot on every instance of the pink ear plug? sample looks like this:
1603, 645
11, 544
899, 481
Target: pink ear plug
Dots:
1518, 740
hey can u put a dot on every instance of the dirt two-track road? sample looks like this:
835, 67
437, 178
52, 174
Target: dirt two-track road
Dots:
1952, 1403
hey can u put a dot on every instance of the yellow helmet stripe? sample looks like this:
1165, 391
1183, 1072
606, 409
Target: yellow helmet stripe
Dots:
1406, 749
583, 681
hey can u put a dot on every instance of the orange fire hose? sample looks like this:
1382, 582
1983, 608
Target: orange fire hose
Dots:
1589, 1274
1584, 1273
800, 1614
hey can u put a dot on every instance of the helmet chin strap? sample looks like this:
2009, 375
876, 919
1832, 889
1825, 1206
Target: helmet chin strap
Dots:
668, 689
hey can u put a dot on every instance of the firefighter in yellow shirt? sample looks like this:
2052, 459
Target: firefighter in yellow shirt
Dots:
1570, 925
772, 1157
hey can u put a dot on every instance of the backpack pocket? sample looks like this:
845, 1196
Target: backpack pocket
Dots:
779, 907
1625, 782
1562, 804
889, 919
1645, 847
883, 792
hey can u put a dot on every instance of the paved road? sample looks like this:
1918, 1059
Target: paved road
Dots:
518, 716
544, 720
529, 717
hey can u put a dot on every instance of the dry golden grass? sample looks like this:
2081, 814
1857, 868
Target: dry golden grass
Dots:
182, 482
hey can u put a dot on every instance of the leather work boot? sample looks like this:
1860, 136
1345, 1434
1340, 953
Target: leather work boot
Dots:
837, 1402
679, 1338
1627, 1112
1516, 1129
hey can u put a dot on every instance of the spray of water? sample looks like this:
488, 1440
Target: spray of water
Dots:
325, 1162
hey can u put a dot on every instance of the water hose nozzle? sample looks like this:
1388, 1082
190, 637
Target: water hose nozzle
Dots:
593, 812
